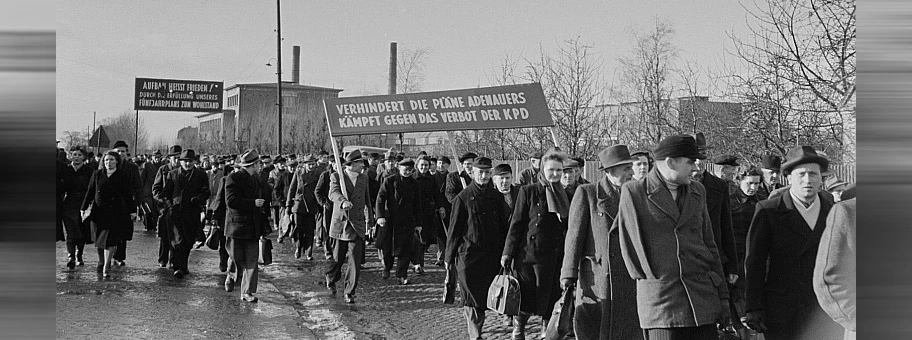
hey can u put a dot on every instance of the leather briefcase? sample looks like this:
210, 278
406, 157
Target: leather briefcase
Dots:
265, 251
503, 294
562, 316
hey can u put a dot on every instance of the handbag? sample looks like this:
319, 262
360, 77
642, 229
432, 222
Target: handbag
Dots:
503, 294
286, 222
562, 316
215, 235
265, 251
88, 216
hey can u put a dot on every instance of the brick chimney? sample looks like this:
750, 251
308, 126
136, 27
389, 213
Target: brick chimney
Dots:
296, 64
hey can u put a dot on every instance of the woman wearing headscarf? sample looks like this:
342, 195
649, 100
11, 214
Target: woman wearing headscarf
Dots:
536, 242
77, 232
110, 193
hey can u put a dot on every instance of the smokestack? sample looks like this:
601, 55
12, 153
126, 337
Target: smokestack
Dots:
392, 72
296, 64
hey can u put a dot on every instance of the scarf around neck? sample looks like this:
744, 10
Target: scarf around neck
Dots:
556, 197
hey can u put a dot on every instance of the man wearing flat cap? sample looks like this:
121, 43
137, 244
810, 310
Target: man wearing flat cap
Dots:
782, 249
728, 167
301, 202
666, 240
606, 308
770, 165
477, 232
396, 208
184, 192
530, 174
147, 176
458, 181
572, 176
164, 226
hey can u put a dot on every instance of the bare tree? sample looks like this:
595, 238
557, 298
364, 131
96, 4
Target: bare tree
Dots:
803, 55
647, 72
123, 127
74, 138
410, 70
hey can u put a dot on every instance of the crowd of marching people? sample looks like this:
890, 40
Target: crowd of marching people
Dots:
657, 247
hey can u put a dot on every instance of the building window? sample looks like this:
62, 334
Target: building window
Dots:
233, 101
289, 101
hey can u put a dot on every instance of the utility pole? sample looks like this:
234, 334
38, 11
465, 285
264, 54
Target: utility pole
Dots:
93, 129
279, 70
392, 79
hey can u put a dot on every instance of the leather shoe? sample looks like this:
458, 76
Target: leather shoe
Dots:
71, 263
331, 286
310, 258
403, 281
223, 267
298, 254
249, 298
229, 285
179, 274
349, 298
386, 274
120, 263
163, 264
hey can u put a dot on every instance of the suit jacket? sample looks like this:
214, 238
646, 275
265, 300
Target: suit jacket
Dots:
188, 192
591, 245
243, 219
301, 197
671, 254
781, 254
397, 201
719, 206
834, 272
348, 225
535, 234
454, 185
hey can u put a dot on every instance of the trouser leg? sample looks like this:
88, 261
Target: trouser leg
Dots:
121, 253
244, 254
223, 254
80, 248
304, 239
334, 268
705, 332
441, 247
71, 250
474, 320
353, 271
402, 264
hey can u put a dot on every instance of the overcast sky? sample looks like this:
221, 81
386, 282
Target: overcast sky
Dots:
103, 45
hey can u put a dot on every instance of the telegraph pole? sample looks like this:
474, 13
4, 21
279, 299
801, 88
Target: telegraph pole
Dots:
392, 79
279, 70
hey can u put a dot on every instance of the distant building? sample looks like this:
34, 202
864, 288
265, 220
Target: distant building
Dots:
629, 123
188, 137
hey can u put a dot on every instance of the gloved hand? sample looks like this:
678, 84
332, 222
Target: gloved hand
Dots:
754, 321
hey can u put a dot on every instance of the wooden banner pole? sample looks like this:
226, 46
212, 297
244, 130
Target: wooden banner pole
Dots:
335, 148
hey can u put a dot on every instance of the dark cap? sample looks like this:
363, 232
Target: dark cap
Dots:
157, 153
803, 155
120, 143
731, 160
771, 162
308, 158
468, 155
444, 159
279, 159
678, 146
482, 163
701, 142
571, 163
536, 155
502, 169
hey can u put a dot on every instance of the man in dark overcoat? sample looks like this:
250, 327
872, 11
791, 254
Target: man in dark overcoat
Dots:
477, 230
185, 192
132, 171
440, 179
301, 202
163, 226
606, 305
324, 219
396, 209
429, 213
770, 165
668, 247
457, 181
781, 253
718, 205
247, 221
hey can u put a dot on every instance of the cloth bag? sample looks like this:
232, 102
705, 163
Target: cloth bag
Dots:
265, 251
503, 294
286, 223
562, 316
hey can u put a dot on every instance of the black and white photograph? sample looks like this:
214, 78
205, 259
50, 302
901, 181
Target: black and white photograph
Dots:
452, 169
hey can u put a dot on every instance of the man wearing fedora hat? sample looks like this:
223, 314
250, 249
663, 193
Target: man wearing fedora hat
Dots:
607, 306
350, 216
782, 248
770, 165
246, 222
666, 240
184, 192
164, 244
